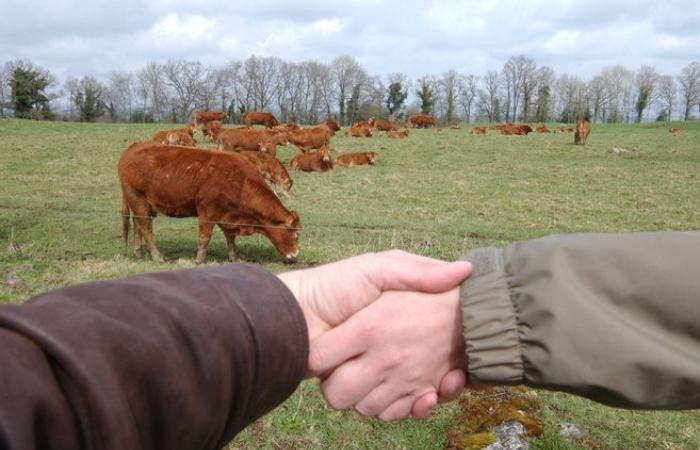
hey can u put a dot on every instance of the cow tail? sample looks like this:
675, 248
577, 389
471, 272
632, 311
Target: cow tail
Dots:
126, 217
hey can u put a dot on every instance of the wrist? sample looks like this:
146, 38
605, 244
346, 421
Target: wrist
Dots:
293, 281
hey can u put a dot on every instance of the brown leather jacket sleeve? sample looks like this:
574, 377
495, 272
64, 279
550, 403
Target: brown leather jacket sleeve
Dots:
175, 360
612, 317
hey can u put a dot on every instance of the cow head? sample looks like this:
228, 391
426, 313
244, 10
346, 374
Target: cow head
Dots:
285, 236
325, 154
372, 157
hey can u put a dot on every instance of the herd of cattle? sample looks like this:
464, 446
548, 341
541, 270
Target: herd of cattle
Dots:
235, 185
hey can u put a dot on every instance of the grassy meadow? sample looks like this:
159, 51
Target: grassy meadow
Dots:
438, 194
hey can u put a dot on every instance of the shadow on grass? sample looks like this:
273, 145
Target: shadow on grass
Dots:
253, 252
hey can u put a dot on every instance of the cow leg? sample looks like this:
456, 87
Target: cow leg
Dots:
145, 225
206, 229
138, 240
231, 241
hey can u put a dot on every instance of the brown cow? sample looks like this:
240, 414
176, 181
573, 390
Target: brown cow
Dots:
356, 159
320, 161
311, 138
511, 129
201, 116
238, 139
360, 129
179, 138
386, 125
161, 136
286, 127
397, 134
260, 118
271, 169
478, 130
542, 129
675, 130
526, 128
331, 124
211, 129
564, 130
218, 188
421, 121
583, 129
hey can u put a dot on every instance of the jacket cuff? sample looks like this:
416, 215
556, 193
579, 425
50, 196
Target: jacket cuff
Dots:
490, 320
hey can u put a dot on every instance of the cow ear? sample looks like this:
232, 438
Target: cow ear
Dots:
292, 219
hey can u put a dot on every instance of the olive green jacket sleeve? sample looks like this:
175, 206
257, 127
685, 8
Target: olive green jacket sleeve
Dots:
612, 317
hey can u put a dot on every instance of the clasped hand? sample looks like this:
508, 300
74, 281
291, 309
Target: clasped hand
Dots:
385, 331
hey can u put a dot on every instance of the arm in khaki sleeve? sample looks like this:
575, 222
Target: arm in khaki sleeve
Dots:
175, 360
612, 317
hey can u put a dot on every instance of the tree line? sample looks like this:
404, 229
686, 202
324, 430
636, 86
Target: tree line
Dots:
310, 91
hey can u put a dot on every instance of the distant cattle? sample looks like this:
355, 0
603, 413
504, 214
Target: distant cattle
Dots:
331, 124
542, 129
286, 127
526, 128
478, 130
260, 118
675, 130
240, 139
271, 169
583, 129
161, 137
201, 116
361, 129
397, 134
385, 125
310, 138
565, 130
421, 121
218, 188
356, 159
180, 138
511, 129
320, 161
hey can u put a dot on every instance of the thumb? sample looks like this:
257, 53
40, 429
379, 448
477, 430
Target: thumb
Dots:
401, 271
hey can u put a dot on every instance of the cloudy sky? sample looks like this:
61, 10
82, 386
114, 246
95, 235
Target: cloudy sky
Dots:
78, 37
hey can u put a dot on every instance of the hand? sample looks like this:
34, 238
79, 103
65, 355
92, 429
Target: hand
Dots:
392, 353
332, 293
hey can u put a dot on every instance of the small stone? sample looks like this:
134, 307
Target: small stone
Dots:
570, 431
509, 437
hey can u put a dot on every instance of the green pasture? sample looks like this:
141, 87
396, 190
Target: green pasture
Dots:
438, 194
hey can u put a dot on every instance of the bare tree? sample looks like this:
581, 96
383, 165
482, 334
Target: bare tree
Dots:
426, 91
489, 100
119, 97
573, 101
667, 91
544, 80
529, 86
469, 89
618, 83
5, 92
185, 80
347, 74
645, 79
261, 75
689, 81
518, 72
151, 89
450, 86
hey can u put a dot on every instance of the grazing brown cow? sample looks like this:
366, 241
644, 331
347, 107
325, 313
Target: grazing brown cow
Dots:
211, 129
356, 159
478, 130
201, 116
542, 129
386, 125
397, 134
271, 169
311, 138
260, 118
331, 124
162, 136
421, 121
180, 138
218, 188
360, 129
319, 161
238, 139
675, 130
583, 129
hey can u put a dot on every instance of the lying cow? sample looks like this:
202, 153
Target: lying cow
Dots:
311, 138
356, 159
583, 129
201, 116
361, 129
260, 118
271, 169
393, 134
385, 125
511, 129
565, 130
542, 129
179, 138
161, 136
478, 130
218, 188
319, 161
675, 130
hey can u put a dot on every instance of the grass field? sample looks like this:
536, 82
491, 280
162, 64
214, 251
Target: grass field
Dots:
437, 194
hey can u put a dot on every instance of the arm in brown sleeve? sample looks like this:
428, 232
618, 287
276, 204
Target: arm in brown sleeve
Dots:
176, 360
612, 317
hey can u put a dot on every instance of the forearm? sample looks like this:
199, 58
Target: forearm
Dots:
172, 360
609, 317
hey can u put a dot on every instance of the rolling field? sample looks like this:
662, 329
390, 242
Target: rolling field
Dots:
438, 194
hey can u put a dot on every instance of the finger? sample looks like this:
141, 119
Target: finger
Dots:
379, 399
401, 271
400, 409
349, 384
424, 405
452, 385
336, 346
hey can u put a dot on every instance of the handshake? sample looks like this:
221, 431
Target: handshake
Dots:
385, 331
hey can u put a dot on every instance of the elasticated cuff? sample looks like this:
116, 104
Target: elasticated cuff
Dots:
490, 320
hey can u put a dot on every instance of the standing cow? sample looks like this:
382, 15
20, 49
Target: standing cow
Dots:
216, 187
260, 118
583, 129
